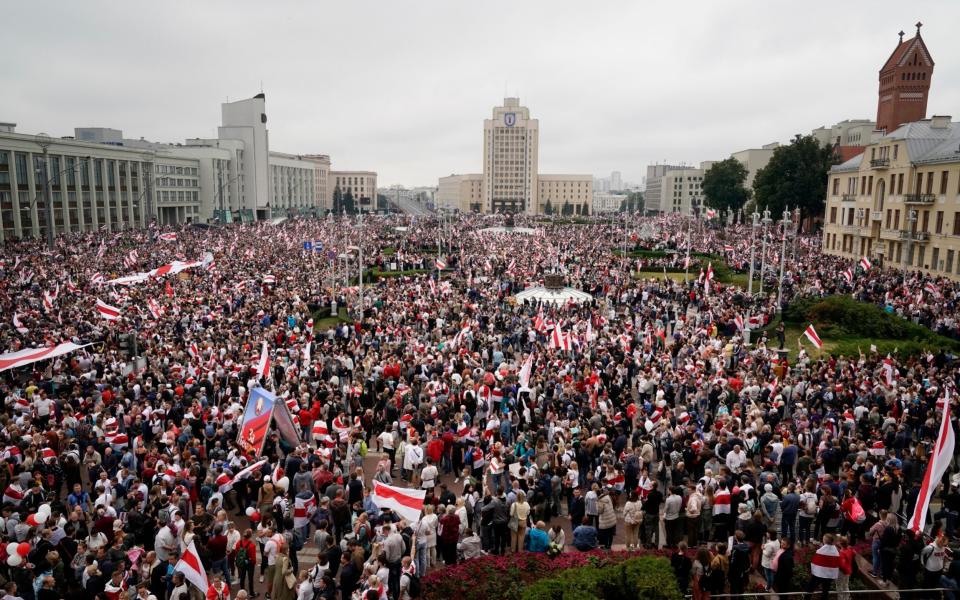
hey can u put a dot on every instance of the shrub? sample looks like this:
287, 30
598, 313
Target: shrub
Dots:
506, 577
646, 577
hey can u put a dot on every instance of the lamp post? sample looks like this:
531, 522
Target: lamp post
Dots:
783, 259
360, 244
912, 220
755, 220
44, 141
766, 221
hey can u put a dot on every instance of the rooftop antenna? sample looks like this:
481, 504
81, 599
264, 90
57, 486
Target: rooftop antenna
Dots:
261, 86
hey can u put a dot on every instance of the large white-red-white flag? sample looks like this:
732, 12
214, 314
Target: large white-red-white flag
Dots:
192, 568
936, 467
20, 358
108, 312
559, 339
811, 334
865, 263
708, 279
408, 503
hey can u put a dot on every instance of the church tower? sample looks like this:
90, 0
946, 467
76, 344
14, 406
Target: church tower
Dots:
904, 84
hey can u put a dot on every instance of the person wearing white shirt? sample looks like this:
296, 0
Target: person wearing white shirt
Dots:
736, 458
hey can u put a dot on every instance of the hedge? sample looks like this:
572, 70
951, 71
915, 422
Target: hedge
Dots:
644, 577
508, 577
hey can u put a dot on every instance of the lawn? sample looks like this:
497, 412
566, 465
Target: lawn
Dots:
737, 279
659, 275
325, 323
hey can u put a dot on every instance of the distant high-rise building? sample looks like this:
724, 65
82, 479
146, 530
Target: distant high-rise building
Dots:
510, 144
246, 120
652, 196
616, 183
904, 84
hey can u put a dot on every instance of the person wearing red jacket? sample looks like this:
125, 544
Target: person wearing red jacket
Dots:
218, 588
246, 569
846, 568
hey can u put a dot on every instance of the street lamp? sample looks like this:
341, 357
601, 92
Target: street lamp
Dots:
783, 259
44, 141
765, 222
753, 236
912, 219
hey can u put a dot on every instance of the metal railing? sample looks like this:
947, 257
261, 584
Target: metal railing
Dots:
919, 198
928, 593
848, 198
880, 163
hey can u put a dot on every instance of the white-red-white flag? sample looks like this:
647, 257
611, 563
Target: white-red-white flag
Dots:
110, 313
888, 370
865, 263
19, 324
408, 503
932, 289
708, 279
811, 335
168, 237
263, 367
192, 569
738, 320
936, 467
525, 370
303, 509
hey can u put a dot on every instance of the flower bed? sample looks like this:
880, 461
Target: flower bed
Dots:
506, 577
647, 577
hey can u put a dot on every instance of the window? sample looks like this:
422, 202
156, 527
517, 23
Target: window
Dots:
889, 212
934, 259
926, 221
919, 183
944, 178
899, 183
939, 221
895, 148
870, 185
956, 223
930, 182
949, 266
896, 219
863, 184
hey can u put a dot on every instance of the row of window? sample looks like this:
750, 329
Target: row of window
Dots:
916, 254
927, 182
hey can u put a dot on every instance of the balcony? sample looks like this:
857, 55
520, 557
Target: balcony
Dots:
848, 198
919, 198
915, 236
876, 215
880, 163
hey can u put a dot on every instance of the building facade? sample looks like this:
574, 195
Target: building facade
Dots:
92, 186
564, 194
511, 141
246, 120
754, 159
899, 202
321, 177
652, 192
360, 185
904, 84
461, 192
510, 181
607, 202
292, 185
681, 190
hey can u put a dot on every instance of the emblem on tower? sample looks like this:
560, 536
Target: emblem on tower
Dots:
510, 119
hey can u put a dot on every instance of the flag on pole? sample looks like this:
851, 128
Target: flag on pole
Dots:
525, 370
811, 334
888, 370
932, 289
110, 313
263, 366
936, 467
865, 263
193, 571
408, 503
739, 322
168, 237
848, 275
708, 279
711, 213
440, 263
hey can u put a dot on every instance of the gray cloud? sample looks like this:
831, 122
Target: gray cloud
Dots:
403, 87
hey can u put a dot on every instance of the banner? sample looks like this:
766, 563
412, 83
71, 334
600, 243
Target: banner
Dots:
262, 406
408, 503
32, 355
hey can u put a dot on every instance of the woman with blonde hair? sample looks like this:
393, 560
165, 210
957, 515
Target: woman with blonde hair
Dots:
519, 513
284, 583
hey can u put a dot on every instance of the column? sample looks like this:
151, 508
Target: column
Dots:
133, 220
64, 194
32, 193
107, 219
15, 190
95, 225
118, 194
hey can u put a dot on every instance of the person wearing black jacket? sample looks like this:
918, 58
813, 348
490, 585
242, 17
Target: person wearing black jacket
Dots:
739, 564
784, 573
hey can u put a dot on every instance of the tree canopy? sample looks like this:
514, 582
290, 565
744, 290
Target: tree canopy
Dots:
795, 177
723, 186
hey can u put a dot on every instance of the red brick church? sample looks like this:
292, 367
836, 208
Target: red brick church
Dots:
904, 84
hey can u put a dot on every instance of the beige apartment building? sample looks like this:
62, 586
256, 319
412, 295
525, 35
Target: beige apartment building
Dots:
899, 201
361, 185
564, 194
461, 192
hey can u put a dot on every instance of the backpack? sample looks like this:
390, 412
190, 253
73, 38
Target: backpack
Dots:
243, 559
810, 507
363, 448
414, 589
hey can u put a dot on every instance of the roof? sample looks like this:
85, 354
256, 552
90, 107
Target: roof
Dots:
851, 165
904, 50
923, 141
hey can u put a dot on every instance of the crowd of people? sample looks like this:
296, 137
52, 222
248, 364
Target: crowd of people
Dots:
640, 419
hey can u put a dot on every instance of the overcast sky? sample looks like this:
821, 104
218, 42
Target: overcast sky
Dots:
402, 87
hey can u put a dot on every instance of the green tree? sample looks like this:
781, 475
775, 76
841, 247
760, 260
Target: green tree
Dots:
548, 208
796, 176
586, 210
567, 209
337, 200
348, 205
723, 186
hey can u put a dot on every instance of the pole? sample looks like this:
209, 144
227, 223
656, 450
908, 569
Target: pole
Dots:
148, 180
755, 217
763, 248
360, 220
783, 259
47, 197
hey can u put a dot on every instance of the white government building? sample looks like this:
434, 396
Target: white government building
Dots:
510, 181
100, 180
